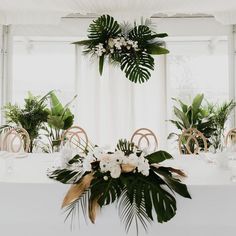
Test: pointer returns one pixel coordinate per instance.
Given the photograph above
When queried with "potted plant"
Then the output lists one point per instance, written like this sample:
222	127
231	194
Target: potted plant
59	119
220	115
210	120
30	117
193	115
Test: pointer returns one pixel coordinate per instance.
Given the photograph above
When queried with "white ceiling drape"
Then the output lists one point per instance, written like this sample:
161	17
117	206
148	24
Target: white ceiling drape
50	11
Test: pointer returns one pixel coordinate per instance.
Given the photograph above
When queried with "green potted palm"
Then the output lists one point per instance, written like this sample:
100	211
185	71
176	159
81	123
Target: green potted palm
31	116
220	114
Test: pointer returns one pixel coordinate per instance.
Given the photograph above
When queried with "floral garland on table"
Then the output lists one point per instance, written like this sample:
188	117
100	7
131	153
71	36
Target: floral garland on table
128	176
130	47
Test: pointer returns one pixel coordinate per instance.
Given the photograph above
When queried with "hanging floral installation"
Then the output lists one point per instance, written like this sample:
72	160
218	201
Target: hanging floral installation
129	47
129	177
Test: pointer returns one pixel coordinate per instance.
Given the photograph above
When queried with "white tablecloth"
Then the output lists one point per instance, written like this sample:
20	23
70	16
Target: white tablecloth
30	202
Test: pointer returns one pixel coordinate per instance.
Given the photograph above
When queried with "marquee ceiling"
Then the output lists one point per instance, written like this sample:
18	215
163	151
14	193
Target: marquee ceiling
51	11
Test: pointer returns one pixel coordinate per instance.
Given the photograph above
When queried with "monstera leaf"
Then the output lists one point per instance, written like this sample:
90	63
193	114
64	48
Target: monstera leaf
103	28
137	67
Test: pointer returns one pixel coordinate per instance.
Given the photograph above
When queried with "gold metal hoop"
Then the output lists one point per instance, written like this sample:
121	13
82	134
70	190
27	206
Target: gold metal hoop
192	135
16	139
76	137
144	135
231	135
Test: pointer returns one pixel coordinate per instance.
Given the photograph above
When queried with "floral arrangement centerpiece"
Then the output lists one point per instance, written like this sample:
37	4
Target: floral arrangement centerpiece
130	47
128	176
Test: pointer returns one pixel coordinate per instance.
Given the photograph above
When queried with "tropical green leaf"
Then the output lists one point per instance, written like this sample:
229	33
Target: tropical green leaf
56	107
178	124
183	106
137	66
103	28
156	49
197	101
68	122
162	35
139	188
158	157
173	184
55	121
101	63
125	146
133	212
141	34
60	116
86	42
108	190
181	115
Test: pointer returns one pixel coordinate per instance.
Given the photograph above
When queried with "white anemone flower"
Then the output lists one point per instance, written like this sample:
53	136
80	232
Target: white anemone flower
98	152
118	157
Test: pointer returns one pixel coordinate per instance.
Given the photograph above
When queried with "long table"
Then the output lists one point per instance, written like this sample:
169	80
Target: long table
30	202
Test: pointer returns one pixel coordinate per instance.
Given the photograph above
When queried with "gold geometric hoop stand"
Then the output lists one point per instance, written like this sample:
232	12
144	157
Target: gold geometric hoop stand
145	135
230	135
12	136
76	137
192	134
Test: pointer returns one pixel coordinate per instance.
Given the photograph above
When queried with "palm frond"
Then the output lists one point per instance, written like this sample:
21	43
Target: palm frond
125	146
79	205
133	211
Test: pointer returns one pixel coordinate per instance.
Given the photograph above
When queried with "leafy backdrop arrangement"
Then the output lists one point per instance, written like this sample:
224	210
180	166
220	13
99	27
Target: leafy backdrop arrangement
129	47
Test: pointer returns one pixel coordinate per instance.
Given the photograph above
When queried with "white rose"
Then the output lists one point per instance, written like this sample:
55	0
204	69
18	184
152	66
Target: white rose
115	172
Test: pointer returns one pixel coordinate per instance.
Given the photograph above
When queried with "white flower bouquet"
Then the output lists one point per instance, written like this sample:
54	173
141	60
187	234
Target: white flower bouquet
128	176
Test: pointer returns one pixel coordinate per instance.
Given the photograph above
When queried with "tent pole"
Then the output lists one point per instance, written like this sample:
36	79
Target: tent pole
232	69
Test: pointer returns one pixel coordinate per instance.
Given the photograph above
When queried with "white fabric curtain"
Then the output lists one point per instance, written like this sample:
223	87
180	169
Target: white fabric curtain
112	107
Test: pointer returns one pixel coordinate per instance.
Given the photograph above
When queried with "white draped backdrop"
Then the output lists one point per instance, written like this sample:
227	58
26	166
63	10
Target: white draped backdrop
111	107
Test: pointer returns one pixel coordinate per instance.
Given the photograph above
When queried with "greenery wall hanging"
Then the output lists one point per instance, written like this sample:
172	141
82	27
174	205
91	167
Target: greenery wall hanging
129	47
